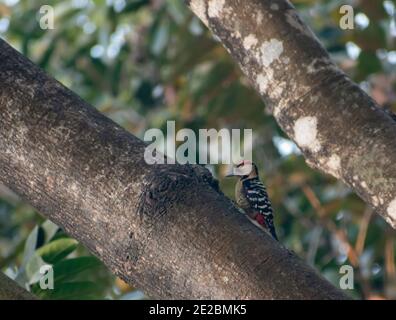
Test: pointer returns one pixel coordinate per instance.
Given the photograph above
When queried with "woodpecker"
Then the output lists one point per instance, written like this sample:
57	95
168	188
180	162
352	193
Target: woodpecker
251	196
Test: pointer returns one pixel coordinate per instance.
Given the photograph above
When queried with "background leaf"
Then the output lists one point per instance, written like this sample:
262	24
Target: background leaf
57	250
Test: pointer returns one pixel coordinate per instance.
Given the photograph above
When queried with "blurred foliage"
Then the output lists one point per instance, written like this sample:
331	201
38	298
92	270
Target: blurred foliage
144	62
80	277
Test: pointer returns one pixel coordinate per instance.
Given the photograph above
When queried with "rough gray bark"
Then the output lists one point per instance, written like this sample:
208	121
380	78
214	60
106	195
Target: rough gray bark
339	128
164	228
9	290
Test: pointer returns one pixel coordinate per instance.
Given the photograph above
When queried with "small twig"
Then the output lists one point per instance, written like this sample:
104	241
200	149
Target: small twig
361	239
390	258
352	253
330	225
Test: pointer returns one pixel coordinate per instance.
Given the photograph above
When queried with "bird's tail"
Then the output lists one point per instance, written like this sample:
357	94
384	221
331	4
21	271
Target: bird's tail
267	223
273	232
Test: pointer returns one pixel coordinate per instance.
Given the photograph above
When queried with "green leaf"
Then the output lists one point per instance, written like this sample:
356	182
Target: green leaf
33	268
50	229
84	290
57	250
160	35
368	63
29	252
134	5
70	269
30	246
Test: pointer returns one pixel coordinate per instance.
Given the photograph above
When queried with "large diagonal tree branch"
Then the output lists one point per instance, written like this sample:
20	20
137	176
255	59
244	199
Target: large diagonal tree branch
164	228
339	128
10	290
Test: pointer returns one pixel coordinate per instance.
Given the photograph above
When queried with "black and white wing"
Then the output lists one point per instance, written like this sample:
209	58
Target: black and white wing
260	204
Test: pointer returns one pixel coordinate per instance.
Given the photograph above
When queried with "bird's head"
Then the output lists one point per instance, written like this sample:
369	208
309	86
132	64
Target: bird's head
244	169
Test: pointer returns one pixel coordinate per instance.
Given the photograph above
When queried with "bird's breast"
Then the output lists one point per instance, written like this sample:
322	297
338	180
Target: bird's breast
240	197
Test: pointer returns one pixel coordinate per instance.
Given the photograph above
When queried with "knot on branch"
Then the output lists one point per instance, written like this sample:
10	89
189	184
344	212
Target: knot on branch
205	176
168	184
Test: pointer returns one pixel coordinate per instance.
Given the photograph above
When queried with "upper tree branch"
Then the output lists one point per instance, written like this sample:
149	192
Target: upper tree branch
339	128
165	228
